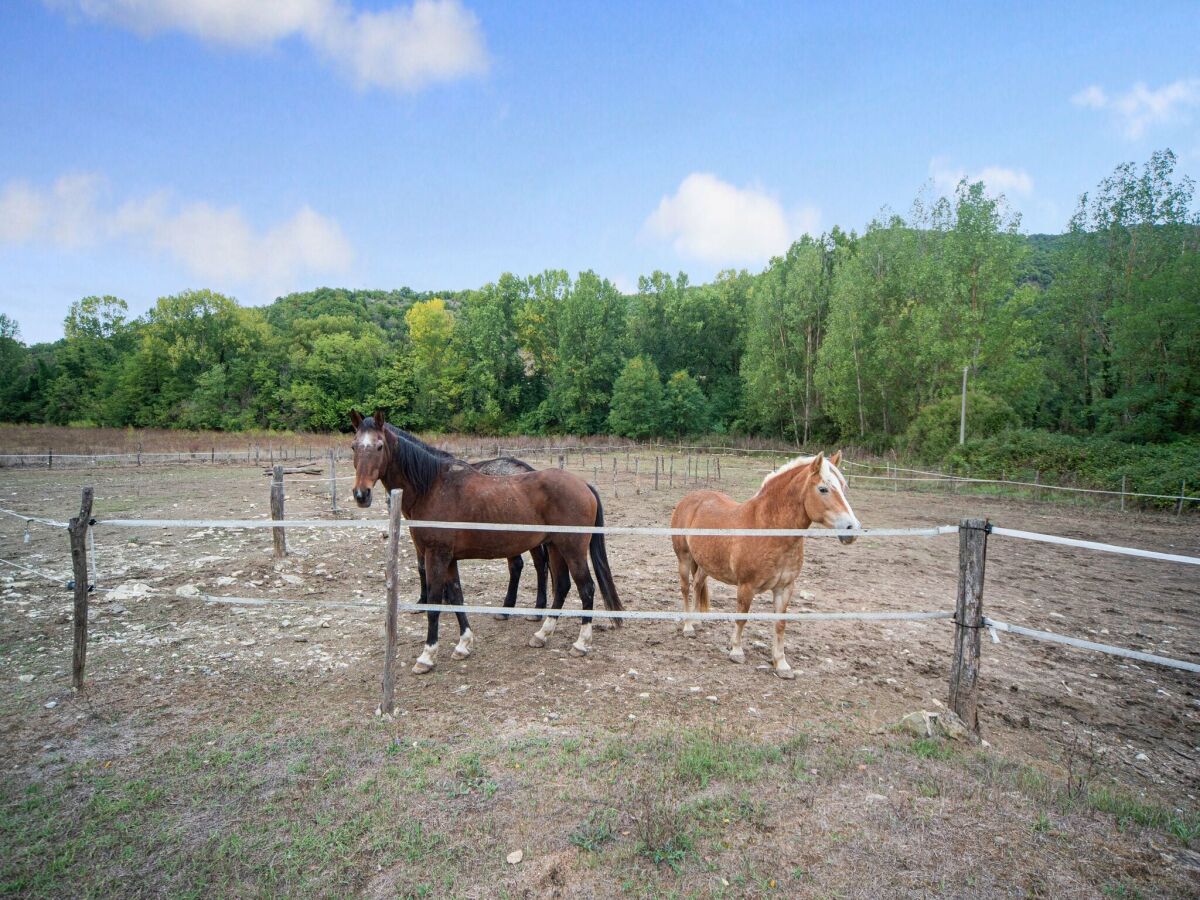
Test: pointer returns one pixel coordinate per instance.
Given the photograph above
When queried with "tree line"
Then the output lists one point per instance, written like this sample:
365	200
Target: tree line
847	337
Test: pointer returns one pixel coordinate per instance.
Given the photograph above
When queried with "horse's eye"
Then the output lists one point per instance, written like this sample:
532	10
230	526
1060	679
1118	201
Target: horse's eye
822	489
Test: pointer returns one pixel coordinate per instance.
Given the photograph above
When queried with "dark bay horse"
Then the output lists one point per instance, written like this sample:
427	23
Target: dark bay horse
809	490
503	465
439	489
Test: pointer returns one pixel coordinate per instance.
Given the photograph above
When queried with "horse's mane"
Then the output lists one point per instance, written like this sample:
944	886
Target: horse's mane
420	462
827	469
413	439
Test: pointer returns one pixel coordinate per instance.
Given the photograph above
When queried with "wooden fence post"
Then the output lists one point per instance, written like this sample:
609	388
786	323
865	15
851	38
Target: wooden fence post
562	460
968	621
656	462
50	458
332	479
277	513
395	524
615	494
77	529
1182	494
671	475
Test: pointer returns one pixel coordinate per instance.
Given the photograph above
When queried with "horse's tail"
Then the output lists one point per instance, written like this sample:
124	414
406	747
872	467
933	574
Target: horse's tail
608	590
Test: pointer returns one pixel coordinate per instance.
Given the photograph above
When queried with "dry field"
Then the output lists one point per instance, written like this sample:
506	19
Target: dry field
232	749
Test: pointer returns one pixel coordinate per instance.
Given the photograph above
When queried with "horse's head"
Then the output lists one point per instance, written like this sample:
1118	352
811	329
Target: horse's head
825	495
371	453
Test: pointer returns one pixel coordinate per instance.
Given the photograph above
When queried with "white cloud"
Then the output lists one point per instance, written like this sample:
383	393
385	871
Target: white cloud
403	47
1141	107
998	179
716	222
211	243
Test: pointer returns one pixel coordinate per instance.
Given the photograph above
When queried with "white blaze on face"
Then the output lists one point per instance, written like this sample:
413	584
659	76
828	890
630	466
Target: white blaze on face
836	482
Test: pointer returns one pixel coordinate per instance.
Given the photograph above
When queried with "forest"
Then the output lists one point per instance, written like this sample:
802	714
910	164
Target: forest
1090	335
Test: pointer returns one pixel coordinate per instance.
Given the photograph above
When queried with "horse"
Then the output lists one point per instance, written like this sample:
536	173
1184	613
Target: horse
808	490
439	489
502	465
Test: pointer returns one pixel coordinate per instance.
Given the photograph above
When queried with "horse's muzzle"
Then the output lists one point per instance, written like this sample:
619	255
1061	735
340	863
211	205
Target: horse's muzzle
850	538
362	498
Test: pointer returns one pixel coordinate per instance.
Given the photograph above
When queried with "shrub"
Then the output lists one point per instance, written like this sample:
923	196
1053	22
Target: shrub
935	429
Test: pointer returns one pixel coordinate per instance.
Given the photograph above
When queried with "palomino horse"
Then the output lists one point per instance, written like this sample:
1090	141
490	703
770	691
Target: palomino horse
809	490
446	490
504	465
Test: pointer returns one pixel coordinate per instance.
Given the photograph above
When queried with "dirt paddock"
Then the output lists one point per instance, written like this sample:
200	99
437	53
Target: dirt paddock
233	749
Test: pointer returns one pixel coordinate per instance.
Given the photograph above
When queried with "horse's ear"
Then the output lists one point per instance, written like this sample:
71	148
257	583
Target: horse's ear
836	459
815	465
356	418
380	416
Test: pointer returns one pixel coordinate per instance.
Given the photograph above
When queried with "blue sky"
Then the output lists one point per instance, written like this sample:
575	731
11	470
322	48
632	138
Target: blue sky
257	148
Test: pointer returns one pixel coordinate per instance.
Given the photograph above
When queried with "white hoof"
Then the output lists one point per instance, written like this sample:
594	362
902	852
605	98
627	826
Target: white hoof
576	650
737	655
426	661
463	650
689	630
536	640
786	672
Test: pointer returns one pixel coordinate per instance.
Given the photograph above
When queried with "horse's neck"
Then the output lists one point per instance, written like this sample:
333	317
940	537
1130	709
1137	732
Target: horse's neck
773	507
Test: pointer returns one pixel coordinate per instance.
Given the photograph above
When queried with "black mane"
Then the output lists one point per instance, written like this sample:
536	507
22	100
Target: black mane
420	463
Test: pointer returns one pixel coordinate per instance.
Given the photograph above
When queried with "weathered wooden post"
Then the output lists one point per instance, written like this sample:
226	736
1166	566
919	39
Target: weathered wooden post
671	476
637	474
1182	494
212	454
562	460
718	468
395	523
332	479
615	494
1122	493
77	529
50	458
656	461
277	513
968	621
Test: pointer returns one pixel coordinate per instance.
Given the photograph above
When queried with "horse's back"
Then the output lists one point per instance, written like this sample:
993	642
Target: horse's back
701	509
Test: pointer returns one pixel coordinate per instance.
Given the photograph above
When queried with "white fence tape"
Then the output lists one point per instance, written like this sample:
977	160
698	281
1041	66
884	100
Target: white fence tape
381	525
1053	638
672	615
49	523
1093	545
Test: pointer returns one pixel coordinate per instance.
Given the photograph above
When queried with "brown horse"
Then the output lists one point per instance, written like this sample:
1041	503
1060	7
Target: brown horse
439	489
503	465
809	490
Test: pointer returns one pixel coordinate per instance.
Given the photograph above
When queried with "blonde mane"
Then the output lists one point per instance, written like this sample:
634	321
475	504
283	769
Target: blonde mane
828	470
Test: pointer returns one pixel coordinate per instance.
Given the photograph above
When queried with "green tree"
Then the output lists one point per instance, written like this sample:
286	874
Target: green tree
591	332
685	409
637	400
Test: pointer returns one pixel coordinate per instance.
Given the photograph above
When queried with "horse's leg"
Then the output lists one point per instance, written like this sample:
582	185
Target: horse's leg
783	596
687	567
437	570
515	565
745	595
541	564
465	636
424	584
700	587
560	575
587	595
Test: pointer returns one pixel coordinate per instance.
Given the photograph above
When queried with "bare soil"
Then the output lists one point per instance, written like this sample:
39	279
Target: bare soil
171	672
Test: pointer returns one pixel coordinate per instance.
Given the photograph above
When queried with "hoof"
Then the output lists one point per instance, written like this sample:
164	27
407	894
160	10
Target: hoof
689	631
604	624
503	617
460	654
420	668
536	641
576	651
737	656
786	674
